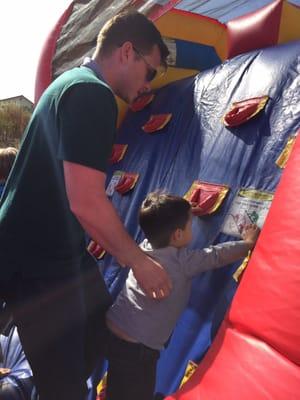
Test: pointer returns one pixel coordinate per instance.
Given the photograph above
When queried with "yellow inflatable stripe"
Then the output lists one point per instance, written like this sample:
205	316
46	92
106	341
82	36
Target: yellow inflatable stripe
285	154
190	369
194	28
238	273
290	23
173	74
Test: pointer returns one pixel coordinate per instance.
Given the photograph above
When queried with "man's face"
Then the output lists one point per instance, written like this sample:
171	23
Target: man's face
138	71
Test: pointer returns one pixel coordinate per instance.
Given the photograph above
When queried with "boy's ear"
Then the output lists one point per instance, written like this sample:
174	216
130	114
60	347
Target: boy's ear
177	234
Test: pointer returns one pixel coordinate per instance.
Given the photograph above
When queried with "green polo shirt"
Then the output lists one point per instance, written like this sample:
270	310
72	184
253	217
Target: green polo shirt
75	120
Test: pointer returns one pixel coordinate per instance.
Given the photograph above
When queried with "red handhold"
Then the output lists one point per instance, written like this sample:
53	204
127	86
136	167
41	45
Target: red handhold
141	102
156	122
242	111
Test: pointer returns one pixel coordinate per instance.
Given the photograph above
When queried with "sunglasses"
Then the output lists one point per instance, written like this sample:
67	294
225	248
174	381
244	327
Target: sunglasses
151	71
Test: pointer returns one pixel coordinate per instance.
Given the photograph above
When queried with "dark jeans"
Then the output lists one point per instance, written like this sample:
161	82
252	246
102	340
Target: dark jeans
60	323
131	371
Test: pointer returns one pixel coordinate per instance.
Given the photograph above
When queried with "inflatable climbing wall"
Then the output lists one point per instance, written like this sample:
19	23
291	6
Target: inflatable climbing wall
222	138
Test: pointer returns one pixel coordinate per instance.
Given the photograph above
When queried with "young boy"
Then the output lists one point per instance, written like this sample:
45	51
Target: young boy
140	326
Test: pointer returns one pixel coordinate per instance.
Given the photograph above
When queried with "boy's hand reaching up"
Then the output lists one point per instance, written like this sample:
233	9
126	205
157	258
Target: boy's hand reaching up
250	234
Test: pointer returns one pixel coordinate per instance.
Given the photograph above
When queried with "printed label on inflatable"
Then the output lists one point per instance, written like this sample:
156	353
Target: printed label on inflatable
117	176
249	206
244	110
156	122
205	198
118	153
285	154
141	102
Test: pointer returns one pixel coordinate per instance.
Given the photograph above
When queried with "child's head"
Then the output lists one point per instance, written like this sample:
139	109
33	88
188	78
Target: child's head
166	220
7	158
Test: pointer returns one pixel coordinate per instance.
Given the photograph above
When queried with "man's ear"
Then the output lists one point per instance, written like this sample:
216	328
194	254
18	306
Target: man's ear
126	51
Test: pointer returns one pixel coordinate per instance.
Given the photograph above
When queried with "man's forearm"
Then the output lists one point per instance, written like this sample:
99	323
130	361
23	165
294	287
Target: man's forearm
85	189
89	203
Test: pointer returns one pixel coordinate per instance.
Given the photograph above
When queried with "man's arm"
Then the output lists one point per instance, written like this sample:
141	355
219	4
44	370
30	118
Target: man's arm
88	201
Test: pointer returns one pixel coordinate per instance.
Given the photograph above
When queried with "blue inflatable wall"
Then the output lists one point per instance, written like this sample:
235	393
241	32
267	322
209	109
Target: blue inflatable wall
197	145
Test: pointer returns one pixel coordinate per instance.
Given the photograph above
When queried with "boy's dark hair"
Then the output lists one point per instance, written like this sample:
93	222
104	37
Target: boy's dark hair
134	27
160	215
7	158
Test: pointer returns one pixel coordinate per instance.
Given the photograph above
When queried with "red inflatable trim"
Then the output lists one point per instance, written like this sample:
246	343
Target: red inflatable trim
44	71
255	30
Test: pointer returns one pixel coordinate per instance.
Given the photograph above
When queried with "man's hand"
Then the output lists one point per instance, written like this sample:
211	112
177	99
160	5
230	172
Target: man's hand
250	234
152	278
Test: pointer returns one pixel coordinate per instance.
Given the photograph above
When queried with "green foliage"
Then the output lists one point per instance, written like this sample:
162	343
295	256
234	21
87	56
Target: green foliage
13	121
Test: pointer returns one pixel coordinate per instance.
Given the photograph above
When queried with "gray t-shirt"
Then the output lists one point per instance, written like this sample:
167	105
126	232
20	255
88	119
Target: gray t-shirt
150	321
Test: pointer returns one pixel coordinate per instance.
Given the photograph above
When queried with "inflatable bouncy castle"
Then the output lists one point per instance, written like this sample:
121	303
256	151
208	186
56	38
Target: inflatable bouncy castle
220	128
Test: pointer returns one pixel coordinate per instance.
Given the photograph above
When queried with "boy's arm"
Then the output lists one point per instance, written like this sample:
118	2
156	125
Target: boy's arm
197	261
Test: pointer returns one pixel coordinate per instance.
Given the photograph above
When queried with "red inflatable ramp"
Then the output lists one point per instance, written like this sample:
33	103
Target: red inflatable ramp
256	354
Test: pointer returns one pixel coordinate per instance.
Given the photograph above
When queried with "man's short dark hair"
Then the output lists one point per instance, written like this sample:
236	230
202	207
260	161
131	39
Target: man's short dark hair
160	215
134	27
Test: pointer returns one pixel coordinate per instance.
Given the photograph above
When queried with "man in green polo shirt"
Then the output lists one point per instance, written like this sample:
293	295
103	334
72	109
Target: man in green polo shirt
56	193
